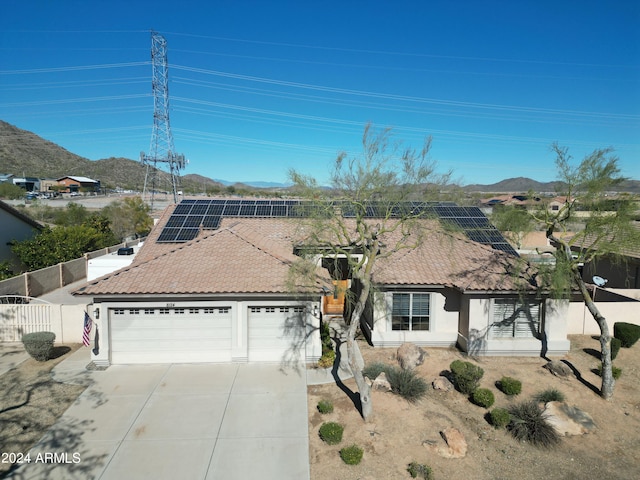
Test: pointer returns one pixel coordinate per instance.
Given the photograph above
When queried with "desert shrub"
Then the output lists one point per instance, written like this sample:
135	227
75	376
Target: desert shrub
376	368
39	345
325	406
510	386
327	359
616	343
331	433
407	384
549	395
529	424
466	375
615	371
419	470
500	417
351	455
483	397
627	333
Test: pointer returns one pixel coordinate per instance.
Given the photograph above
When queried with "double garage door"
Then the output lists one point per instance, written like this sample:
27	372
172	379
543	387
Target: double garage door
197	334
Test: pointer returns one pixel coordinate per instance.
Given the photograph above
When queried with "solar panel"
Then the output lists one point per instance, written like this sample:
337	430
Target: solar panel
191	215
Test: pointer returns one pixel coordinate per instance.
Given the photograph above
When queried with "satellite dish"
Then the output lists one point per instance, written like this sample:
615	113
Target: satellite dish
599	281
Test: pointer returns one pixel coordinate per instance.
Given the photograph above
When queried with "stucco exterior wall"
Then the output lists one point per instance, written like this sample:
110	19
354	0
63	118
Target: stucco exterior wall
443	324
581	322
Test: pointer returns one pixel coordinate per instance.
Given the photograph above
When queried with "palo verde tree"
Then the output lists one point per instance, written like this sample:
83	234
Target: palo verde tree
340	223
604	233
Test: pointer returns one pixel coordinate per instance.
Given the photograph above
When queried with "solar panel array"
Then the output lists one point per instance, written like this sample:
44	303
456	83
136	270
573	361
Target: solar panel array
191	216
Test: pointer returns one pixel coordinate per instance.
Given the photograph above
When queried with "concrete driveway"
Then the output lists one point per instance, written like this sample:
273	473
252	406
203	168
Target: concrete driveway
196	421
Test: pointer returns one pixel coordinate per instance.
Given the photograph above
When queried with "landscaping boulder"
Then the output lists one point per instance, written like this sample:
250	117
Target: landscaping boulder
381	383
455	441
443	383
410	356
558	368
567	419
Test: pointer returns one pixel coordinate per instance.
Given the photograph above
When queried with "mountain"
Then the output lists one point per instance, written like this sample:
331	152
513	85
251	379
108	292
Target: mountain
25	153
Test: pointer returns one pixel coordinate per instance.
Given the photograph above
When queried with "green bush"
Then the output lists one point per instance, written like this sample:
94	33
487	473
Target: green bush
510	386
466	375
325	406
500	417
483	397
418	470
39	344
327	359
331	433
376	368
351	455
627	333
407	384
549	395
529	424
616	343
615	371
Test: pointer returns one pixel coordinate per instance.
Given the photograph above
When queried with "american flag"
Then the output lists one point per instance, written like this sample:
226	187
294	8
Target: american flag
86	332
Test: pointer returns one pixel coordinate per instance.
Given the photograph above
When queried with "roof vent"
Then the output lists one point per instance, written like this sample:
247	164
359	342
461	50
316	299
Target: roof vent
125	251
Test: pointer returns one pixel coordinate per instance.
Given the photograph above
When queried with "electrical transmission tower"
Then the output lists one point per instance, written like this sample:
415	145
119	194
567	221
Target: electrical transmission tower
161	150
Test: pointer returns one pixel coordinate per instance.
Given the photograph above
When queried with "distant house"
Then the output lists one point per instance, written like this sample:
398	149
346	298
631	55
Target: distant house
15	226
76	184
48	185
30	184
210	284
6	177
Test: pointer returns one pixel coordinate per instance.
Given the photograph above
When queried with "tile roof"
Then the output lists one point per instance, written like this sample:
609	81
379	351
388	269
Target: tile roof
253	255
236	258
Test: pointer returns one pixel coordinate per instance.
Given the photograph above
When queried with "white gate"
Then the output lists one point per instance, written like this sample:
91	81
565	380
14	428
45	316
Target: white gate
16	320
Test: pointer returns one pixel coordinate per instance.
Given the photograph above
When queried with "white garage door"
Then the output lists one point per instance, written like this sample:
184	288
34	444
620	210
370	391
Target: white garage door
170	335
276	334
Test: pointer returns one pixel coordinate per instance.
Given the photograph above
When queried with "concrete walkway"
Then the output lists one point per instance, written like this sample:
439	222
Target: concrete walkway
192	421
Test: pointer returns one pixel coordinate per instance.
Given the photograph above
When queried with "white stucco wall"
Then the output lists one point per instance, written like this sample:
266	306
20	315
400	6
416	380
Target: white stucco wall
443	325
478	341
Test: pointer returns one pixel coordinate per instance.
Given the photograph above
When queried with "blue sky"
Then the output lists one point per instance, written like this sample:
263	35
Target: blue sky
259	87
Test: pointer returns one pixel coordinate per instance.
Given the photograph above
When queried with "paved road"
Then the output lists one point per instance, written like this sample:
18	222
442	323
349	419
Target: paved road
197	421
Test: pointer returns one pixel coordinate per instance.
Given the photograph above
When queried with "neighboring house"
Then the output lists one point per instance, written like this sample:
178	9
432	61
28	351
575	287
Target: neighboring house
15	226
75	184
209	286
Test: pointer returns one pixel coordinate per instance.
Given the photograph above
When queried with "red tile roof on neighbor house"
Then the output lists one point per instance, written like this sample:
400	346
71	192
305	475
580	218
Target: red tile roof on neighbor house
253	255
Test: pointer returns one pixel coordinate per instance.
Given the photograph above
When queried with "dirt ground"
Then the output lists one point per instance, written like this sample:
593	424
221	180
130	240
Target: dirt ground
399	431
30	402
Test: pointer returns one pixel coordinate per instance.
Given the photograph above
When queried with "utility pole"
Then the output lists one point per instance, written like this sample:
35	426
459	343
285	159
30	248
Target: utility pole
162	149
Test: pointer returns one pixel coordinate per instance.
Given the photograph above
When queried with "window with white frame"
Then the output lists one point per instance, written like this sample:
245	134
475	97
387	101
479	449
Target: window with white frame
410	311
516	318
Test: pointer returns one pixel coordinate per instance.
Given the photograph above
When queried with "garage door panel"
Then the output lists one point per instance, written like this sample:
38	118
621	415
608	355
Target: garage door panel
170	337
276	334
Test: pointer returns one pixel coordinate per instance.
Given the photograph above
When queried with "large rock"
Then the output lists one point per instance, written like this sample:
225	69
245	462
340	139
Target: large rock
443	383
455	441
410	356
381	383
558	368
568	420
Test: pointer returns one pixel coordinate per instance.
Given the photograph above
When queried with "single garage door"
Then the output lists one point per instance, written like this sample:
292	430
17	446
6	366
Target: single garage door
170	335
276	334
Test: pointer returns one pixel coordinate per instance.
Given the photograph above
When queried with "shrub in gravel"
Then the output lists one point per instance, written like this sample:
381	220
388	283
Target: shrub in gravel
627	333
327	359
549	395
407	384
483	397
616	343
351	455
510	386
331	433
419	470
325	406
615	371
466	375
529	424
500	417
39	345
374	369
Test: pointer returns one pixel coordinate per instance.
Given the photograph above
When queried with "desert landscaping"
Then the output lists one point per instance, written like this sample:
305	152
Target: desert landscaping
402	432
